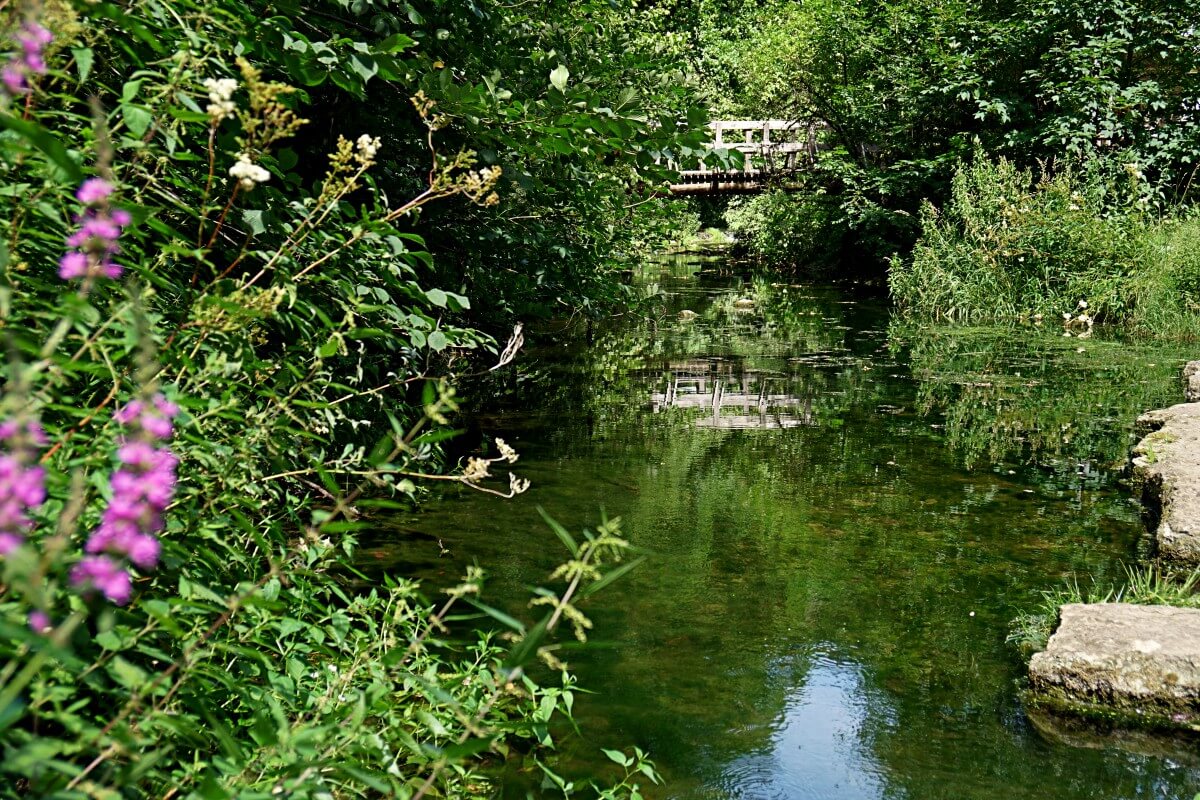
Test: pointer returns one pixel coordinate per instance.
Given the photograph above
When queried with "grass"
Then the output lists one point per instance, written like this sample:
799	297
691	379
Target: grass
1146	586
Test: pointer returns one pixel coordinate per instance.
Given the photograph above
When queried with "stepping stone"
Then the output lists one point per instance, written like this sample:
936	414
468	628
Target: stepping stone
1124	661
1191	377
1166	469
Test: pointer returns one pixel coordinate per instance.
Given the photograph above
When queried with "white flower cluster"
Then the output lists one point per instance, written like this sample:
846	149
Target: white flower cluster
247	172
220	90
506	451
1084	320
368	146
476	470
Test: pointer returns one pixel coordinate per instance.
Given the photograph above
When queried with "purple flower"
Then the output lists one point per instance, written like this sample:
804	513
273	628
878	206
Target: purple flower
94	191
72	265
129	412
142	487
39	622
101	573
32	39
22	482
14	79
9	541
96	241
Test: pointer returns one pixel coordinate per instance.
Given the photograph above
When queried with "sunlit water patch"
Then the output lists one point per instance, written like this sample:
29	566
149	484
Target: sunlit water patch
843	514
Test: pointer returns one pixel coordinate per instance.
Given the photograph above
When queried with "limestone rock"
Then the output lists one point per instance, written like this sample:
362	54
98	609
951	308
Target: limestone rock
1166	472
1191	377
1143	661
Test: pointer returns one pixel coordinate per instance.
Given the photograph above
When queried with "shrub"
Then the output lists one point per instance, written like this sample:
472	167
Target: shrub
219	365
1070	245
796	232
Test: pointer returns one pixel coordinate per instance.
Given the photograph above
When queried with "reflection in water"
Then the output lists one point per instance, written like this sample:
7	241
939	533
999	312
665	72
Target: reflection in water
715	388
817	749
842	515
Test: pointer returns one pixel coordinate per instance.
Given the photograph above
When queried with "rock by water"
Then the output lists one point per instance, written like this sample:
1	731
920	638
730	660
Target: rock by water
1139	662
1166	470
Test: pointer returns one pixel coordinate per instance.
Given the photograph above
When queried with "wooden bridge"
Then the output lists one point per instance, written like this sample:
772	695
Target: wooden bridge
772	150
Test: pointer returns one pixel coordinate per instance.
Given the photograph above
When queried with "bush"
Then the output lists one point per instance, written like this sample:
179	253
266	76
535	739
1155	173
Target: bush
1071	245
220	363
791	231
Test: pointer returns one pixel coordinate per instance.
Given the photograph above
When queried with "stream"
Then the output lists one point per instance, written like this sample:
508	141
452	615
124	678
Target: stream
842	512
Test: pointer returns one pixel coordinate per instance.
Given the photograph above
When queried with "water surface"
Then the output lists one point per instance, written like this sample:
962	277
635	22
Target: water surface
842	512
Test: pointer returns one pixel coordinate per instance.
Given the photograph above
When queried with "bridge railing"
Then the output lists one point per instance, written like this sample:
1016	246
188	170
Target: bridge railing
771	147
768	145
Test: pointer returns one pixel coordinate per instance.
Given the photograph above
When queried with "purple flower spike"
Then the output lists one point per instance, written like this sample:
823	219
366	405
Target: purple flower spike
32	39
39	622
142	487
22	482
101	573
94	191
93	245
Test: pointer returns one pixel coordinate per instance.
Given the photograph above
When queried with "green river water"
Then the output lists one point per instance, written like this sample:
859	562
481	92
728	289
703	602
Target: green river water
835	554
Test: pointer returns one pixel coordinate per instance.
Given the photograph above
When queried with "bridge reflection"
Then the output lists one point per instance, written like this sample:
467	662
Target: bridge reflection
733	399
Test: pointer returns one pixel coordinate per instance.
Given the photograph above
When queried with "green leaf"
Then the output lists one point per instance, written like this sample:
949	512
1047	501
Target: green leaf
363	66
471	747
524	651
618	757
108	640
329	348
138	119
84	58
558	78
498	615
130	90
395	43
129	675
437	341
562	532
52	148
437	297
253	217
609	577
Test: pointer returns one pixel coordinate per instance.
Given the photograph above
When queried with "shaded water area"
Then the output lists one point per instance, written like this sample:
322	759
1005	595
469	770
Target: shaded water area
843	513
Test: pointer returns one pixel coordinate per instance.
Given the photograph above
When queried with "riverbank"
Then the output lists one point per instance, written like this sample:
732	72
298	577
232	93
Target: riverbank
1129	663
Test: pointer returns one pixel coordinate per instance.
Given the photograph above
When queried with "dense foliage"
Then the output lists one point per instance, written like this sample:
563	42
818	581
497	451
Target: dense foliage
910	89
1061	248
229	344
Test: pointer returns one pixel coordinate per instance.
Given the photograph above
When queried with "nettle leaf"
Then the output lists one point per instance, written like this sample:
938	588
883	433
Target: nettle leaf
253	217
130	90
364	66
138	119
37	136
558	78
84	58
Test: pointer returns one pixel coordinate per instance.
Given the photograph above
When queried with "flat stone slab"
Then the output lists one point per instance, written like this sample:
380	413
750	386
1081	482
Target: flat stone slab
1142	662
1166	472
1191	378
